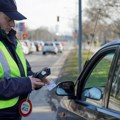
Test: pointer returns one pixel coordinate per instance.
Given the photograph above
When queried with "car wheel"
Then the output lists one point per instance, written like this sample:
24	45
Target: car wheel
44	53
55	53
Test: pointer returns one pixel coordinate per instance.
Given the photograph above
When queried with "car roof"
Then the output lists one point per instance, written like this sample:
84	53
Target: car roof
112	43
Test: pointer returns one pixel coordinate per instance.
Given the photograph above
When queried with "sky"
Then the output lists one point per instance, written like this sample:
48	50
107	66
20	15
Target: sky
43	13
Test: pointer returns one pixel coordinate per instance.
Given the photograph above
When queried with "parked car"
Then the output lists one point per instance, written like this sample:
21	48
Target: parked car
28	43
59	46
50	47
24	47
96	93
33	47
41	44
38	46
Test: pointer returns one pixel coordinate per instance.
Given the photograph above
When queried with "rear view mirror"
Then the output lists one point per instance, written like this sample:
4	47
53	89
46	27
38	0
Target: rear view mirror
65	89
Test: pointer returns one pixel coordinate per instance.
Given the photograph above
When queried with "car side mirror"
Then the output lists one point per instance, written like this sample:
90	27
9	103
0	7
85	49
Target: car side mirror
66	88
93	93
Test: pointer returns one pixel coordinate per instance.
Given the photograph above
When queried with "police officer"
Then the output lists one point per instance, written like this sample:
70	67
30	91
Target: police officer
15	85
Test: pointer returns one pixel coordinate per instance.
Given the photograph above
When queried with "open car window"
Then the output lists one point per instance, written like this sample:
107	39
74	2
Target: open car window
97	79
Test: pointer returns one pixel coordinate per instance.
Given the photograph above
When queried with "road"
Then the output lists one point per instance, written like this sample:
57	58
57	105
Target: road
41	108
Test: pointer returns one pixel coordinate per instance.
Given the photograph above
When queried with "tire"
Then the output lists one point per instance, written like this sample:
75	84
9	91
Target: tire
44	53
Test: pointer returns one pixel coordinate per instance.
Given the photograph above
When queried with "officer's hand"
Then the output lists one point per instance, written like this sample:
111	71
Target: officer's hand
45	81
36	83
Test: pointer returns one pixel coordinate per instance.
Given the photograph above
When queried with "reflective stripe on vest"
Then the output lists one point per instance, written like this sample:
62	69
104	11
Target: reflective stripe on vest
9	68
5	65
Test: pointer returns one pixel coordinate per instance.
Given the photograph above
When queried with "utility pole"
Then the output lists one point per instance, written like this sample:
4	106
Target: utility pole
80	35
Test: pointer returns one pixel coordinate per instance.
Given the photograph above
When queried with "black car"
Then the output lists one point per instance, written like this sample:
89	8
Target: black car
96	93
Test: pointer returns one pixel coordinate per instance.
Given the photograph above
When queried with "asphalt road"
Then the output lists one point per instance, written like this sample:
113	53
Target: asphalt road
42	110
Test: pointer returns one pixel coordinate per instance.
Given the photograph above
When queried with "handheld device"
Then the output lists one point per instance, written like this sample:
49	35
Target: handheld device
43	73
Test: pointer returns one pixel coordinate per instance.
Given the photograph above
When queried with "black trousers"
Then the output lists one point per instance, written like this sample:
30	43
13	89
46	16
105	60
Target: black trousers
6	118
19	118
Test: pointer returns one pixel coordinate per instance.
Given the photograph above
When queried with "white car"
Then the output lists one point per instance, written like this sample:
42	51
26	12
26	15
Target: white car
28	43
33	47
59	46
24	47
50	47
41	44
38	46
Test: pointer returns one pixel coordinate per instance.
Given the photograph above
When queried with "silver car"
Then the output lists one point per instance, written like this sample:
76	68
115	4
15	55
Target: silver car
50	47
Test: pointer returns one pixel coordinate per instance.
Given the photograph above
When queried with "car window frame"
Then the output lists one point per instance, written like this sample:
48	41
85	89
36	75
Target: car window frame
110	83
90	66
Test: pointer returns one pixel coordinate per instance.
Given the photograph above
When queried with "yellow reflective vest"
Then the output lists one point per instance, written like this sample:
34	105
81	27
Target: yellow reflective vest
9	68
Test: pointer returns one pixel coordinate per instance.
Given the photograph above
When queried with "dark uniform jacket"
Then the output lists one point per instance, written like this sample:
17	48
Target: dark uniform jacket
13	87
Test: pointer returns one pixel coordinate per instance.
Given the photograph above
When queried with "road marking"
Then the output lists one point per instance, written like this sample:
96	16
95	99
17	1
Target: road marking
41	109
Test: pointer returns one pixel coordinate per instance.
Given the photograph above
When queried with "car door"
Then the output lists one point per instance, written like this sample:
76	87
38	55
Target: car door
98	73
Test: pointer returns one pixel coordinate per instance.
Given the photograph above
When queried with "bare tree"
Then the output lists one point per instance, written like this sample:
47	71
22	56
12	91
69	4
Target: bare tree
106	14
107	8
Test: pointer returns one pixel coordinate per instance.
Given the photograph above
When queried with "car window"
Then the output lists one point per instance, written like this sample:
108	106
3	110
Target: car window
57	44
48	44
51	44
97	80
114	99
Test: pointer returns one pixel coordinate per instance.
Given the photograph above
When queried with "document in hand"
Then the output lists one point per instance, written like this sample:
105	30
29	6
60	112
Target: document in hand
52	85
